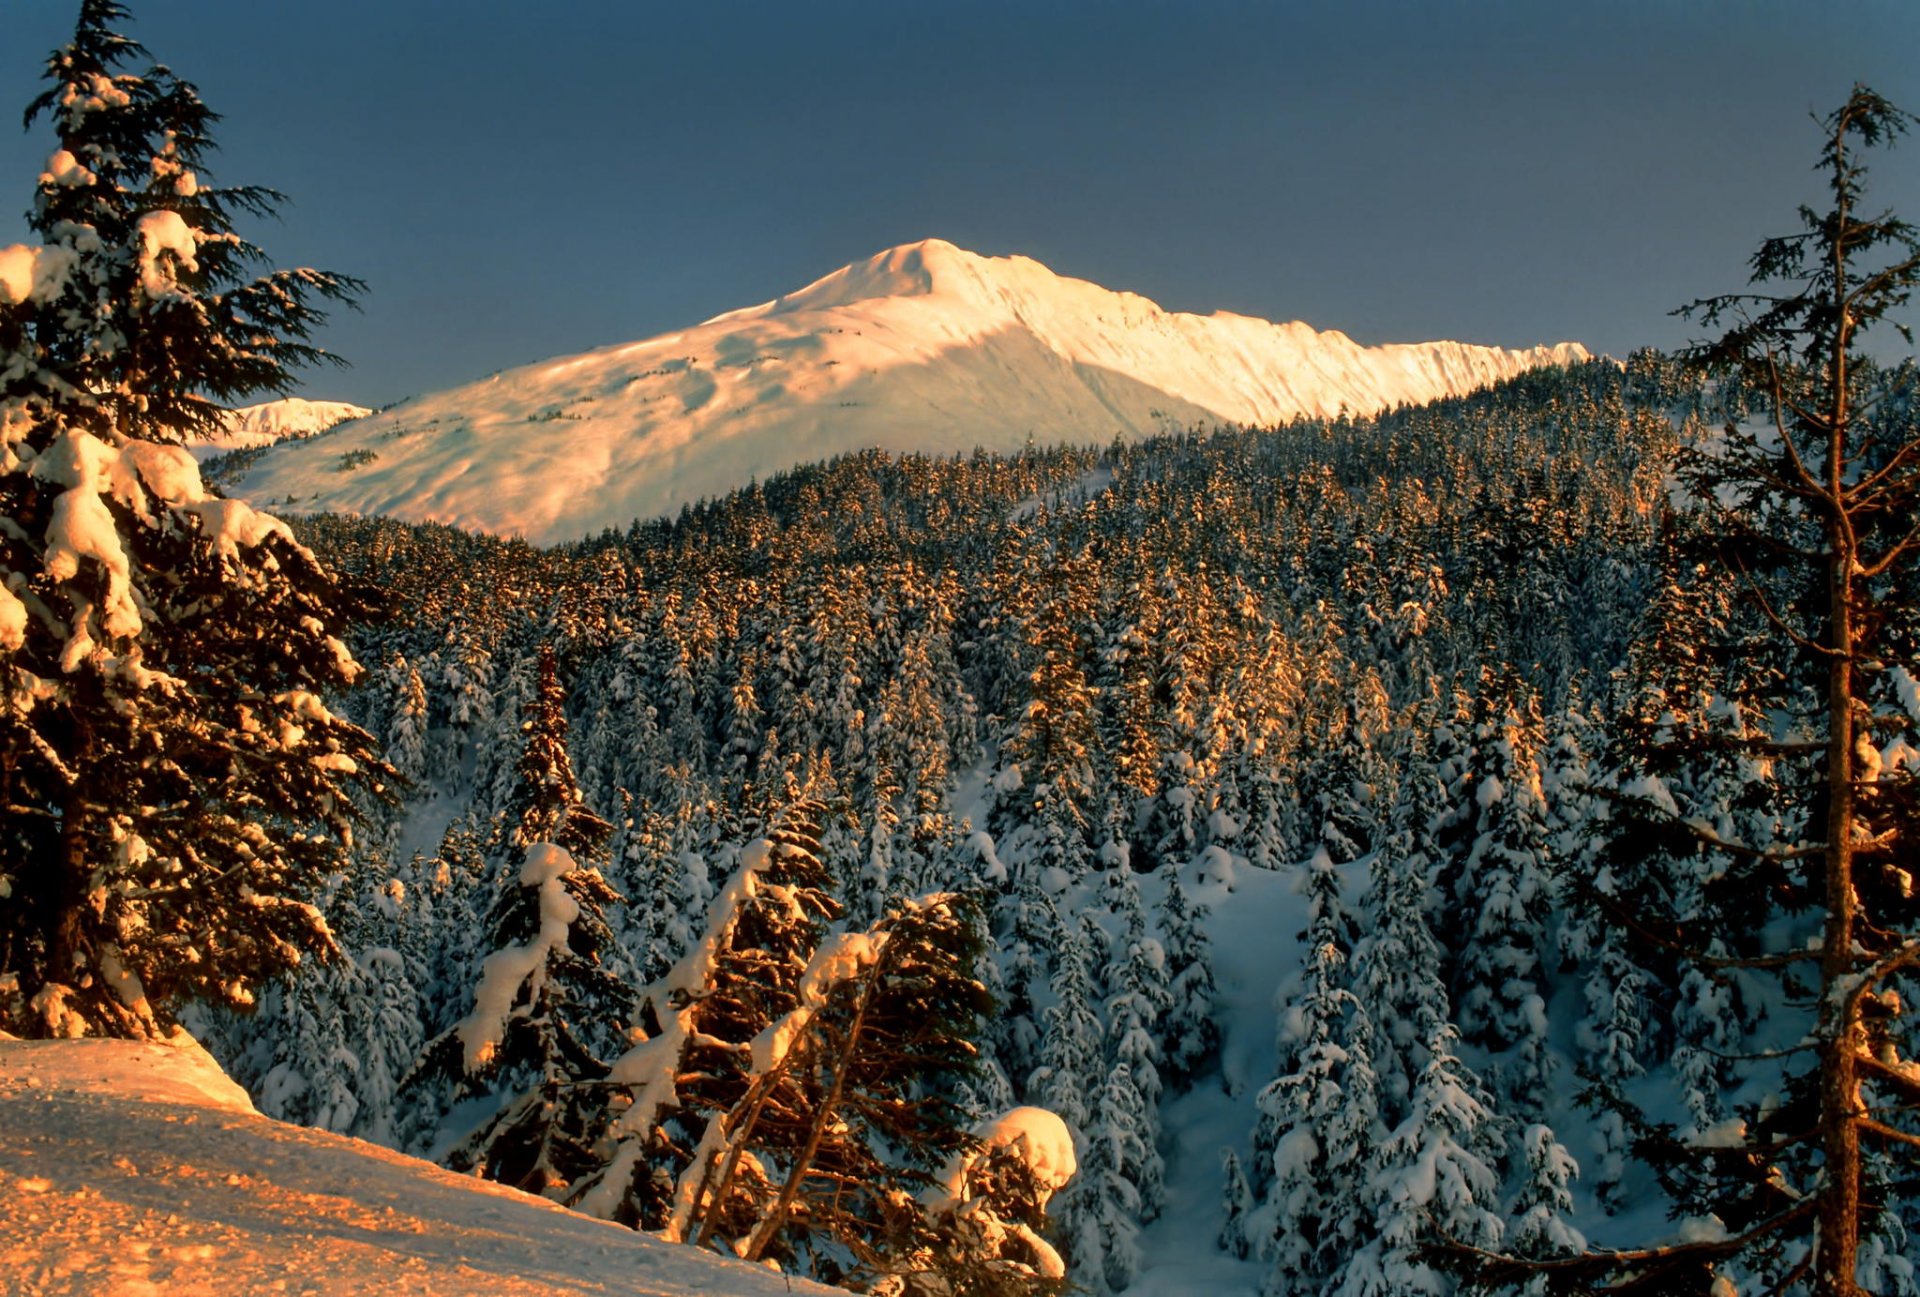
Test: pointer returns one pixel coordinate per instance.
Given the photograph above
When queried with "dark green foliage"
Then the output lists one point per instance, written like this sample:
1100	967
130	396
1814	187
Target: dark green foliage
173	788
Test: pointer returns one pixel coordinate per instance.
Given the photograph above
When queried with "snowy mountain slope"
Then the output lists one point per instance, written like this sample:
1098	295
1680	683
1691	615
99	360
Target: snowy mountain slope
924	347
287	419
133	1169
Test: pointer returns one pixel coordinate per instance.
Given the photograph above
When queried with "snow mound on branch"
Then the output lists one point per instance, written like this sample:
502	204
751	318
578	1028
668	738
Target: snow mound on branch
922	348
32	273
139	1168
1038	1137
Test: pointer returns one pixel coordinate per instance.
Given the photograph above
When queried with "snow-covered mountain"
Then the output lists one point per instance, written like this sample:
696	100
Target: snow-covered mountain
924	347
288	419
140	1168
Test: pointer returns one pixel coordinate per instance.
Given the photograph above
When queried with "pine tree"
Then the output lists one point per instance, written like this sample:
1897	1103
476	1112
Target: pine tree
670	1094
552	998
1138	997
1539	1228
1191	1036
406	720
1501	1001
881	1030
545	804
990	1208
174	786
1433	1181
1236	1207
1100	1218
1070	1045
1396	966
1800	522
1318	1117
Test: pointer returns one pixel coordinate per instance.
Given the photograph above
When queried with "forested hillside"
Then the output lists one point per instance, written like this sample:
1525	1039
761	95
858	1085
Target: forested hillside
1410	664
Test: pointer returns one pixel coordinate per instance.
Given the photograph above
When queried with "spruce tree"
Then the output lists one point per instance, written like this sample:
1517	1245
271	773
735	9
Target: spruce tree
173	783
551	999
1799	516
1190	1037
1812	512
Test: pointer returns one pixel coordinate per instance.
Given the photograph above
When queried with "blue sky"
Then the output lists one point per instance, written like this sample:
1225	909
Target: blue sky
517	182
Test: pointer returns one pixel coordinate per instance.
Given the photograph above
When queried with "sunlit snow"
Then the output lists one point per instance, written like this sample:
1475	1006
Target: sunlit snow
135	1168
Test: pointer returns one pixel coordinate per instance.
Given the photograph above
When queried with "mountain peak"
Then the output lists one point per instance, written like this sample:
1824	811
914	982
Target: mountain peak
920	269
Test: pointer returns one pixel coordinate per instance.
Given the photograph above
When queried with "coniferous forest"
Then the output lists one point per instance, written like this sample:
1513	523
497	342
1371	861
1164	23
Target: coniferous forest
1487	825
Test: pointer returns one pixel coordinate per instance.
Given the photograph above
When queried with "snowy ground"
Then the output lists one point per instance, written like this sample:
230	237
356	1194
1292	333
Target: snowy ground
130	1169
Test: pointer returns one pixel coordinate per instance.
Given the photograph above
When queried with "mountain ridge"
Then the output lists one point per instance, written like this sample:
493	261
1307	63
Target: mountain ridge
923	347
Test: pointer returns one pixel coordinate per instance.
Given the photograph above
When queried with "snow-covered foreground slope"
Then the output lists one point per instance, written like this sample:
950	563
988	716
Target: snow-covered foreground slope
924	347
136	1169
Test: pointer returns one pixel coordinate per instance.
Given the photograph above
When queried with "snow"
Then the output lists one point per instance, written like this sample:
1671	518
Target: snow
13	621
81	528
1252	926
135	1168
1040	1138
505	971
1908	691
923	348
1044	1144
30	273
838	960
288	419
66	171
165	234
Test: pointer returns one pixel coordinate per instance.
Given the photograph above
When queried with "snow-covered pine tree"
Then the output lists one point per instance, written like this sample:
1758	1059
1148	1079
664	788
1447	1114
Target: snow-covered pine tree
551	999
1432	1181
544	804
1539	1228
1070	1043
880	1034
1236	1207
1190	1035
1506	876
1137	999
1033	936
1319	1117
1100	1215
406	719
989	1209
1802	520
1396	965
1345	782
670	1093
174	784
541	1010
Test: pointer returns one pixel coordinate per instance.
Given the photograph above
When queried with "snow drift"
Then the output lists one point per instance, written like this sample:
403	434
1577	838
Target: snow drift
924	347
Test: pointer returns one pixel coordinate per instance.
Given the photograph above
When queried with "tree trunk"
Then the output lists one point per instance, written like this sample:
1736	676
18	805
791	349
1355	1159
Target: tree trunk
821	1119
1840	1106
1838	1237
